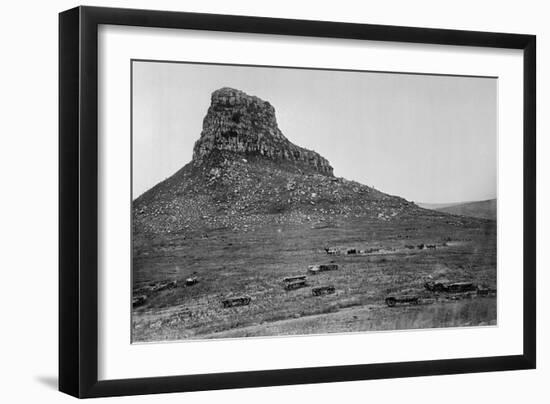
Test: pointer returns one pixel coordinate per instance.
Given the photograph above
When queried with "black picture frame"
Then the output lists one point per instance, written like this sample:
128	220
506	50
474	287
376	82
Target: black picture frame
78	201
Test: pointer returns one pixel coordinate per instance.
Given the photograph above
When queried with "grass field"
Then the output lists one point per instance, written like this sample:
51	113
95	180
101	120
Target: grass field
253	262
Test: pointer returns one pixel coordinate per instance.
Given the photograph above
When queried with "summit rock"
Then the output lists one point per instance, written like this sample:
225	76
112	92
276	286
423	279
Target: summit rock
246	125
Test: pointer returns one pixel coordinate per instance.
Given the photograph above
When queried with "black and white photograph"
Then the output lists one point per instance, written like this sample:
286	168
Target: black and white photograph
273	201
285	202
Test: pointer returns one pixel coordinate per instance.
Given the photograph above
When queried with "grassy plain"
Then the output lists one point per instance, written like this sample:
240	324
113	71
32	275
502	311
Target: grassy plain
253	262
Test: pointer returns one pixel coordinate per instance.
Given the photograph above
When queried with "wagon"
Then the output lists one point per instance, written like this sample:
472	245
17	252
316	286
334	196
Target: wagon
157	287
314	269
294	278
456	287
297	284
236	301
191	281
323	290
484	291
139	300
393	300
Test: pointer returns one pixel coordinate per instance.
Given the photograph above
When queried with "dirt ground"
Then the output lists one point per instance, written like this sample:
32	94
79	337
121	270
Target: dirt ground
464	313
253	262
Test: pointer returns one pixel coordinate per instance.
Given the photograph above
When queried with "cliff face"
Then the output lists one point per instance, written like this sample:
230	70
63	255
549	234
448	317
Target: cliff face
239	123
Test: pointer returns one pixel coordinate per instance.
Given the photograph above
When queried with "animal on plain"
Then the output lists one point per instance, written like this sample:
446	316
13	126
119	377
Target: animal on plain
331	251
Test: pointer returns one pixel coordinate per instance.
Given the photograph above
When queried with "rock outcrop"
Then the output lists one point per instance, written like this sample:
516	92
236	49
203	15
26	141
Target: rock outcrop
239	123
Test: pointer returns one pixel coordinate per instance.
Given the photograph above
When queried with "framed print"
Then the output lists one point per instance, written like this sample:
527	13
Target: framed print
251	201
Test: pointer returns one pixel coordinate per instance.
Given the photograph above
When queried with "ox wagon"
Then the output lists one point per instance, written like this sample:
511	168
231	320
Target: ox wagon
236	301
448	287
294	282
484	291
393	300
323	290
139	300
294	278
191	281
301	283
315	269
158	286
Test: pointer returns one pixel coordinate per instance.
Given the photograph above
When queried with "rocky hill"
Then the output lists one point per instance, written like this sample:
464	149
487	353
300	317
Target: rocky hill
245	172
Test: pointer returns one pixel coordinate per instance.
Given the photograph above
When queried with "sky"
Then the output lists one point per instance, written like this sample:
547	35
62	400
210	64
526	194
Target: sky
425	138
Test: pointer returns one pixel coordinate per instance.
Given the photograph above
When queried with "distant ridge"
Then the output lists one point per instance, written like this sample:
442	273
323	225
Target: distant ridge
481	209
